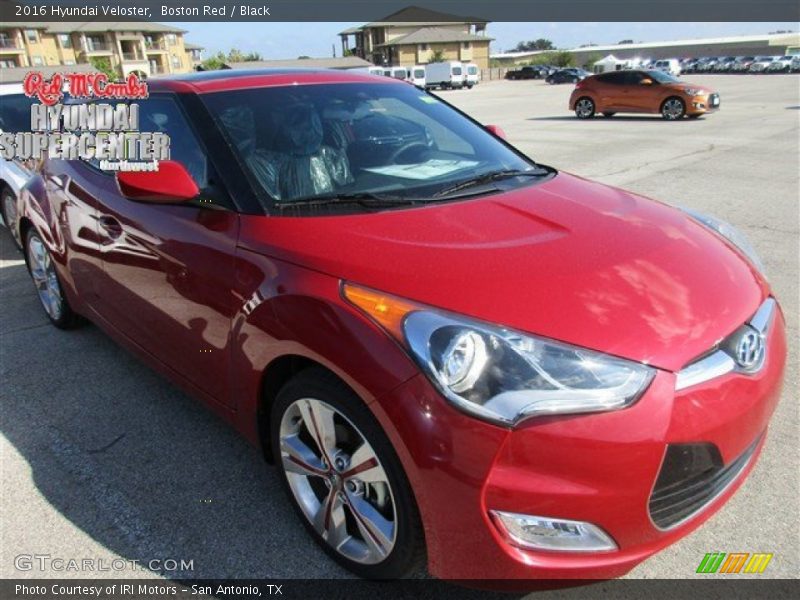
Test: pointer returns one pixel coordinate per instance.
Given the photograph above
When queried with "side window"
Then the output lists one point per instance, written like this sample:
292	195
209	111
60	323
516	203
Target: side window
633	77
15	113
163	114
615	78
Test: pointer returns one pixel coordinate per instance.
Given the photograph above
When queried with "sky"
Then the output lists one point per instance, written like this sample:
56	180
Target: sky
290	40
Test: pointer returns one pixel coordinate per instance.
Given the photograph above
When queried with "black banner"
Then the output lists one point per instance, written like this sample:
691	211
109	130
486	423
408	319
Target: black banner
360	10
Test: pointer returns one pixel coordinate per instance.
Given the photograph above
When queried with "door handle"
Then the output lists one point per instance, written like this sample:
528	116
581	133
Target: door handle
111	226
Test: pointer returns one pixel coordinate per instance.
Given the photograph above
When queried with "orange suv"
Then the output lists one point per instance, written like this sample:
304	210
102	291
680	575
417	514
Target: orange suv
641	92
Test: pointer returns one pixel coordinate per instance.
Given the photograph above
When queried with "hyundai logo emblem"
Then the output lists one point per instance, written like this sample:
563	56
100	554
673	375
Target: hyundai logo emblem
750	350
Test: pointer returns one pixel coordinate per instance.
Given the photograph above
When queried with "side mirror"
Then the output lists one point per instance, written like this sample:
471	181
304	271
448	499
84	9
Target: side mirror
647	82
495	130
171	183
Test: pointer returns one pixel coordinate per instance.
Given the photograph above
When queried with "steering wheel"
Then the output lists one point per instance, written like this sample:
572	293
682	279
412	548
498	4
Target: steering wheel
405	148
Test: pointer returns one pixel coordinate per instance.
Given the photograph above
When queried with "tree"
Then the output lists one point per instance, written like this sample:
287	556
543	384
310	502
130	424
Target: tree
563	59
625	42
531	45
304	57
588	62
103	64
217	61
437	56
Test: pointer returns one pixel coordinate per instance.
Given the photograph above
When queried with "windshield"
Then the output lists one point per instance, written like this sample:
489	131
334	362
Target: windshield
419	73
456	71
662	77
301	142
472	70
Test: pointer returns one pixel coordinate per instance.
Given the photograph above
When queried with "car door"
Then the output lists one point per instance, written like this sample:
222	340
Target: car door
168	269
640	96
612	91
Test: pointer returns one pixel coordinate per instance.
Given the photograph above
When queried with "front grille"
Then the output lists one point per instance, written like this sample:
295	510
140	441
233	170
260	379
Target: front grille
691	477
713	100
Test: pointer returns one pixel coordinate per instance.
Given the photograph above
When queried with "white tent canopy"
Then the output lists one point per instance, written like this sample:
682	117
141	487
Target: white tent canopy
609	63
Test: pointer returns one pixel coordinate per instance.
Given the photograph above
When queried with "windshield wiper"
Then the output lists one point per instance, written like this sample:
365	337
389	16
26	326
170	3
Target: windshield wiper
365	199
489	178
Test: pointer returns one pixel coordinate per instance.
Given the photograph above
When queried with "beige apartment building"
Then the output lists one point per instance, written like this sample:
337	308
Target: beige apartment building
145	48
416	35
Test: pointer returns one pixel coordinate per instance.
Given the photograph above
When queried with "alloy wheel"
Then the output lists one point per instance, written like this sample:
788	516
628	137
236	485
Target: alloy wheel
673	109
9	209
584	108
338	481
45	278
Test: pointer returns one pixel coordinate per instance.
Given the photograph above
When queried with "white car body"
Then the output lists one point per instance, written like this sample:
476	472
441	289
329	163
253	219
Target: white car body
444	75
761	64
472	75
13	175
396	72
780	65
416	75
795	63
668	65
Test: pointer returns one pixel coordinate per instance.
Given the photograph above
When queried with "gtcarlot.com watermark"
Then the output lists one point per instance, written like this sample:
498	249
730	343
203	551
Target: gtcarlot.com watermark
50	563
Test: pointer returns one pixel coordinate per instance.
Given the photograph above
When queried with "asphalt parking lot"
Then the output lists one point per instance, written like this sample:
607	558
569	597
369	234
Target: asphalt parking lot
103	458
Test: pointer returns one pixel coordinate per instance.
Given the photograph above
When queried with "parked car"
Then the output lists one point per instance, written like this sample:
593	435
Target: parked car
742	64
725	63
472	75
641	92
528	72
567	76
668	65
761	63
15	116
444	75
781	64
416	75
382	331
795	63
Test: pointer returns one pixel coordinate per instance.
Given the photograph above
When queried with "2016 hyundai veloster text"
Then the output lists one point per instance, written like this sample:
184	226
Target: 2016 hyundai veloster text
450	352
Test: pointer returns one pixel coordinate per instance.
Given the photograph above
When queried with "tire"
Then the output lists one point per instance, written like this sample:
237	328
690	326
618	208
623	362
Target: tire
8	208
316	396
48	285
608	115
673	109
584	108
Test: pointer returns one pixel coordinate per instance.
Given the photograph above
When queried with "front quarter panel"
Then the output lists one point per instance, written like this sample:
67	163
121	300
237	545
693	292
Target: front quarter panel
288	310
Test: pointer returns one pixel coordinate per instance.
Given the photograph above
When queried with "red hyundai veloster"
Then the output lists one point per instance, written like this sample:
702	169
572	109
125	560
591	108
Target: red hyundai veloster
451	353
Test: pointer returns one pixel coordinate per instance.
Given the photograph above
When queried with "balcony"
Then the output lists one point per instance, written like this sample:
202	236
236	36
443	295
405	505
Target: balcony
132	57
10	45
97	47
152	46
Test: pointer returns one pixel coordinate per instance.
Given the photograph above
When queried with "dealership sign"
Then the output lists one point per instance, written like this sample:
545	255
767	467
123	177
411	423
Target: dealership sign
85	116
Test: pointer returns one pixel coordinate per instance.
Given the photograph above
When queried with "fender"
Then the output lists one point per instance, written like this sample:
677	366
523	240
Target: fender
288	310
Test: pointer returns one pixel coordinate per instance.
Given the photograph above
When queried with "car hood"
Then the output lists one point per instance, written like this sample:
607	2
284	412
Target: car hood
568	259
690	86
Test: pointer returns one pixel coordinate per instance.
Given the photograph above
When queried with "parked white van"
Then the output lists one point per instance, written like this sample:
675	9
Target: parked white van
444	75
668	65
472	75
395	72
416	75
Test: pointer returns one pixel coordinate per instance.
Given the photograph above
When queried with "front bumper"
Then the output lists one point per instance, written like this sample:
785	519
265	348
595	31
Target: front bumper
702	104
598	468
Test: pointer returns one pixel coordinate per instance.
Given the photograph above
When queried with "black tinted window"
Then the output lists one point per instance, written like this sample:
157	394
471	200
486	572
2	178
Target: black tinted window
163	114
616	78
15	113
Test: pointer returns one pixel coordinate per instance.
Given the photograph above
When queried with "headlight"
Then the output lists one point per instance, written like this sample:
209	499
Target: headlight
694	92
502	375
730	233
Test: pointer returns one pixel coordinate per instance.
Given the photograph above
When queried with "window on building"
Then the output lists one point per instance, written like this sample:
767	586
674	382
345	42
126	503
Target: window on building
465	45
32	36
176	62
6	41
37	61
69	62
172	39
423	47
65	40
